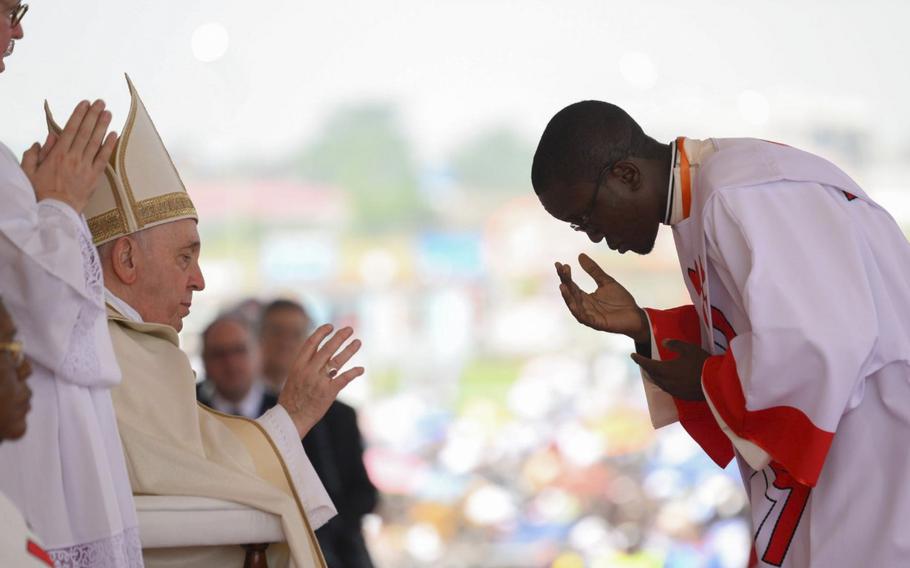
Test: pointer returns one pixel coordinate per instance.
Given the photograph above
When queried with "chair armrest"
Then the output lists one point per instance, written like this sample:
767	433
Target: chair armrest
177	521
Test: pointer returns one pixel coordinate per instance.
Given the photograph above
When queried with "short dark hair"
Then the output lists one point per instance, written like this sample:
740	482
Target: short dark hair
224	318
583	138
283	304
279	305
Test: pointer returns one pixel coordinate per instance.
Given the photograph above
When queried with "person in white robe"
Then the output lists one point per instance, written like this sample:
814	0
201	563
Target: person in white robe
67	474
794	356
144	224
18	545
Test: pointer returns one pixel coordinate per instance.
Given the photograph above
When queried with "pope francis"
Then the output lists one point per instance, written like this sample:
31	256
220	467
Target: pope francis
144	224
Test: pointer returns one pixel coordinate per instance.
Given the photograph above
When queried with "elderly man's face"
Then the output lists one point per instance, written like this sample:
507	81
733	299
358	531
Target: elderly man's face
169	273
230	359
8	33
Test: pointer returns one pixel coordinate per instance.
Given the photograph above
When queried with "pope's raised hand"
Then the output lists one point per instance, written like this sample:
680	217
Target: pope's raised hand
608	308
316	378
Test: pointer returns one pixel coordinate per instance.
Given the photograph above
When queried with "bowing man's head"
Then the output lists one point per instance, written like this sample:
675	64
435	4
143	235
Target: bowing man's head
597	170
15	396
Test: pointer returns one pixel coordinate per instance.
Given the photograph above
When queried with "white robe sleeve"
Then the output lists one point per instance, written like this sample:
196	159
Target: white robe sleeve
42	274
788	254
660	404
279	426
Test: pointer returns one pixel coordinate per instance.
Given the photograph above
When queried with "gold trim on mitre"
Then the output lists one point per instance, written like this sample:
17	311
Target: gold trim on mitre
109	225
140	187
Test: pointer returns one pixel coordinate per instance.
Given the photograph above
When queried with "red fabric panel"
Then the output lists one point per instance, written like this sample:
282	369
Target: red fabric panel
785	432
695	416
39	553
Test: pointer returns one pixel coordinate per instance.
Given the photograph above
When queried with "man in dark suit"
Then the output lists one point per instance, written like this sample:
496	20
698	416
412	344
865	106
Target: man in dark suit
231	358
334	445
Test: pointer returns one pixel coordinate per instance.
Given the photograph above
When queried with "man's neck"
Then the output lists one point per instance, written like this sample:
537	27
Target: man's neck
122	306
234	398
246	405
665	172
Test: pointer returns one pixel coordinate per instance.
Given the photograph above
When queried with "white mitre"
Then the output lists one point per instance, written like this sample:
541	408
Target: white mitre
140	187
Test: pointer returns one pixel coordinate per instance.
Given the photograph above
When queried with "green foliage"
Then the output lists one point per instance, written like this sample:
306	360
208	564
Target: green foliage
498	160
363	151
488	379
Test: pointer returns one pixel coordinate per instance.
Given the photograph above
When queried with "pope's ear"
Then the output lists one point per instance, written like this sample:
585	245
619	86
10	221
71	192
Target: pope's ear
125	259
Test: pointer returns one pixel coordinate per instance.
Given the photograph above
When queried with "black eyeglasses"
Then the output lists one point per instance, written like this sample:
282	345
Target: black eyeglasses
16	15
584	220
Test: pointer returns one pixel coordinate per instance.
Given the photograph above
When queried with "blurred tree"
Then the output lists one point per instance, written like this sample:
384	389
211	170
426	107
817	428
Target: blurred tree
497	160
363	150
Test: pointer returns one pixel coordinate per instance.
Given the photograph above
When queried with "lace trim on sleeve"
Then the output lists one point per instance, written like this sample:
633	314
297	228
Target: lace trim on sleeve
123	550
82	362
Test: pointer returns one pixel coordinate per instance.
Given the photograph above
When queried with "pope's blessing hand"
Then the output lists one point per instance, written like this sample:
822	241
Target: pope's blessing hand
315	379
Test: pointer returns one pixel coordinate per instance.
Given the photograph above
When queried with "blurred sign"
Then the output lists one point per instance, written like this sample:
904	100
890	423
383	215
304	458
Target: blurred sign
298	256
449	255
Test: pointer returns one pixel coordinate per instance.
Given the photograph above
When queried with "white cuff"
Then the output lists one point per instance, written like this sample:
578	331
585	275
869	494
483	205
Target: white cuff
756	457
64	208
660	404
319	507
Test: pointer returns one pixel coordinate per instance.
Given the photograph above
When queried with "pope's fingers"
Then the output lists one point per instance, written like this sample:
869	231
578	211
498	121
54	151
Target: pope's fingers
328	349
345	378
338	361
312	343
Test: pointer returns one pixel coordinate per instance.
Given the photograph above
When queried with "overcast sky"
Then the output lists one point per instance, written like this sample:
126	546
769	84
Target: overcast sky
701	68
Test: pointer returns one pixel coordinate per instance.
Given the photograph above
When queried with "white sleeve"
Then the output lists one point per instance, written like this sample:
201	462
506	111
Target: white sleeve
279	426
790	256
660	404
42	273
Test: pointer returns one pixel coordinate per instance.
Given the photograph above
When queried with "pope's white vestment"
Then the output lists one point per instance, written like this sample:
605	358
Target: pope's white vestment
67	474
800	286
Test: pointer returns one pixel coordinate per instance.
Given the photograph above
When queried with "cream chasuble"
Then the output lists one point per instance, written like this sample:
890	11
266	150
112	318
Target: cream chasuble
174	446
